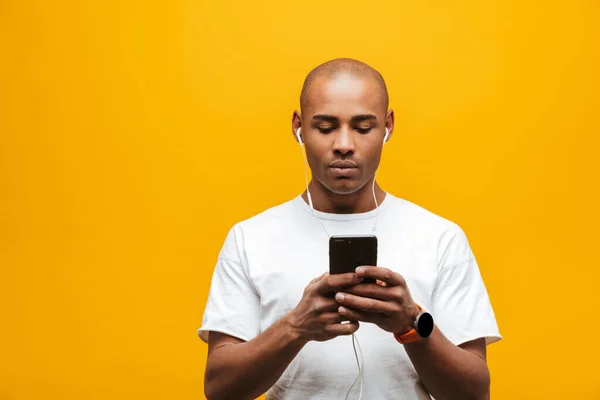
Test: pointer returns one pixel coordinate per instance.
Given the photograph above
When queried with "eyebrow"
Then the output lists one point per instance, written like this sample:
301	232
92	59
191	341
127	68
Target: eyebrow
356	118
328	118
364	117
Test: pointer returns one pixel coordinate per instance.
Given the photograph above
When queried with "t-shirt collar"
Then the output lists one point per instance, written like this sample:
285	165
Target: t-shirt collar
342	217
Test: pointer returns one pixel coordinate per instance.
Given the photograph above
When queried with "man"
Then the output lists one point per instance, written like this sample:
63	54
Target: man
277	322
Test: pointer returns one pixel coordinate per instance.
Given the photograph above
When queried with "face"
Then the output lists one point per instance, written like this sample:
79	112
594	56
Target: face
343	125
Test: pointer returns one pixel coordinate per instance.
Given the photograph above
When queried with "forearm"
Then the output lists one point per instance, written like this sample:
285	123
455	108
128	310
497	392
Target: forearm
247	370
449	372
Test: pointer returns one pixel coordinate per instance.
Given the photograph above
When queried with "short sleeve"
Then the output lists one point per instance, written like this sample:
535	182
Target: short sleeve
233	305
461	305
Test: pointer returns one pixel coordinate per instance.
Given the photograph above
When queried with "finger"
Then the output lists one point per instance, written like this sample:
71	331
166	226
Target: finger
332	318
324	305
335	283
373	291
356	315
318	278
342	329
385	275
364	303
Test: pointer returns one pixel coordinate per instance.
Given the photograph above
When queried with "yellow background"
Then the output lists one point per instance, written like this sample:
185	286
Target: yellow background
134	134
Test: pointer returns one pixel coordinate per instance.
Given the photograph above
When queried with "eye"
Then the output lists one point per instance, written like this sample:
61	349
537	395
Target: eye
325	130
364	130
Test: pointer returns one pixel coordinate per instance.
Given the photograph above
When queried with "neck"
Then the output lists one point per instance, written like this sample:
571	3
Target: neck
360	201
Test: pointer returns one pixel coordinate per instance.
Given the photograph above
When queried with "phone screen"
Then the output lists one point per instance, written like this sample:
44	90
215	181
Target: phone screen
348	252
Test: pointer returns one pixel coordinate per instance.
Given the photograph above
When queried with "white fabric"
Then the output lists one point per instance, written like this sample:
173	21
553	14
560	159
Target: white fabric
268	260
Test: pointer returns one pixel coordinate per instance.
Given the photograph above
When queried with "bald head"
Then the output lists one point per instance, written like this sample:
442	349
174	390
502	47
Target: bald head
343	67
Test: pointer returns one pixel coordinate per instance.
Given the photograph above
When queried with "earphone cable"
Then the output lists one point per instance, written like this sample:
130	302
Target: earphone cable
358	355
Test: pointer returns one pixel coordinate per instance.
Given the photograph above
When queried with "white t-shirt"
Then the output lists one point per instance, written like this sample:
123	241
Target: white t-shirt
268	260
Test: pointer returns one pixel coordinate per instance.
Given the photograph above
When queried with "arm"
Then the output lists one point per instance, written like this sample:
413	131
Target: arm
451	372
244	370
447	371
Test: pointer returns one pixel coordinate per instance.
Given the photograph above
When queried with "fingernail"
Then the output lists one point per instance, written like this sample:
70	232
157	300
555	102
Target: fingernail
360	270
339	297
341	310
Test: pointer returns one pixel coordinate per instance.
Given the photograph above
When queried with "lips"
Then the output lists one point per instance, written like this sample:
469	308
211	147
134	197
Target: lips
343	169
343	164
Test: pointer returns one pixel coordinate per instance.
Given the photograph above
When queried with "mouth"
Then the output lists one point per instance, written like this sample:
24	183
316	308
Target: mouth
343	169
343	164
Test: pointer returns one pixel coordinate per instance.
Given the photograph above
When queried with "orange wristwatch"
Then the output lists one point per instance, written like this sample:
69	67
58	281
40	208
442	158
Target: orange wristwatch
422	328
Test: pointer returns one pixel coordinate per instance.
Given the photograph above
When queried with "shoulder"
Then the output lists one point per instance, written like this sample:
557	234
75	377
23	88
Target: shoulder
272	221
281	214
423	226
417	217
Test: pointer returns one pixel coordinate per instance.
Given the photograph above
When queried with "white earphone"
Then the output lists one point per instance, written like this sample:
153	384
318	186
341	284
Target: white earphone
298	136
385	138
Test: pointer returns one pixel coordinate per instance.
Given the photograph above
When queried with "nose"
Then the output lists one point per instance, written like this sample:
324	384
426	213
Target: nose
344	142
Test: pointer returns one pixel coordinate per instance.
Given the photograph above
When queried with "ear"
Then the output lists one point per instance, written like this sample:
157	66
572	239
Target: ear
296	126
389	125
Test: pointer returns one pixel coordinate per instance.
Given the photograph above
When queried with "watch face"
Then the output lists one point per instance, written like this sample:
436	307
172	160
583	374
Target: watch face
425	325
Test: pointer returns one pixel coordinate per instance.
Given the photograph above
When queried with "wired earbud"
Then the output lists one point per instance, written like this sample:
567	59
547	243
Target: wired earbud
387	134
299	137
305	171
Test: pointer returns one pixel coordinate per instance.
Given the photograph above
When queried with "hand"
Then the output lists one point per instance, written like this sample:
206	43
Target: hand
387	303
316	316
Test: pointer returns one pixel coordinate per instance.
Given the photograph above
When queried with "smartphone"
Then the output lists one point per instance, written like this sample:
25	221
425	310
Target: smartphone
348	252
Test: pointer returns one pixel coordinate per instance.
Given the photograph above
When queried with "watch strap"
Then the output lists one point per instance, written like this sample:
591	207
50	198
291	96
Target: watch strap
410	336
